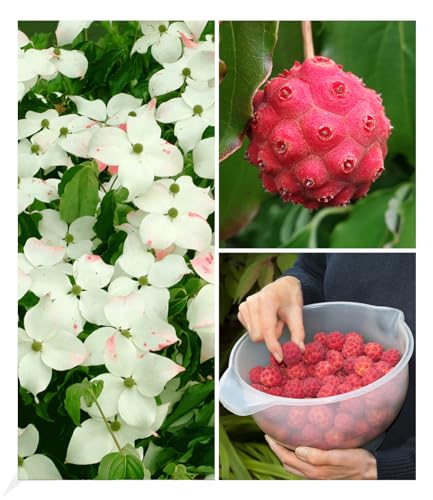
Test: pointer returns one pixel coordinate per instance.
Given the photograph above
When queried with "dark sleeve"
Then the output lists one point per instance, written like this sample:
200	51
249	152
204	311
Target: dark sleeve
310	268
396	463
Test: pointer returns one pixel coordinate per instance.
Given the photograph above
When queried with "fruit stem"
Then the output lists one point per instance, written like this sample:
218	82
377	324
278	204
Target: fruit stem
307	36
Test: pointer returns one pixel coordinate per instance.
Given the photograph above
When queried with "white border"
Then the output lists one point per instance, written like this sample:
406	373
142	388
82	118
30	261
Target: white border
221	9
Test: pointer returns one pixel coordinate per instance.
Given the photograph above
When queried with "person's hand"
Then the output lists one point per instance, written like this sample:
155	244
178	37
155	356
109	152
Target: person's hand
265	313
313	463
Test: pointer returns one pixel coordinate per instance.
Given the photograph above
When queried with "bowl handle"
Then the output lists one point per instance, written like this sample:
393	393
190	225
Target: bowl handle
236	399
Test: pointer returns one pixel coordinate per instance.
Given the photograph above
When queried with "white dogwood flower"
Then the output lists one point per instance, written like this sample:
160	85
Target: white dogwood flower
75	237
114	113
203	158
203	264
67	31
192	113
177	214
196	64
140	152
91	441
163	38
43	347
33	465
133	381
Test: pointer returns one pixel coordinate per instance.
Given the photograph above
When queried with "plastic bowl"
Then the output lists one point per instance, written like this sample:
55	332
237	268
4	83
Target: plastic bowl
348	420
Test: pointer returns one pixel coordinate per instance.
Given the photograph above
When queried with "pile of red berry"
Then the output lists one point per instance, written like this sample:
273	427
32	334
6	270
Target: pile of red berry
333	363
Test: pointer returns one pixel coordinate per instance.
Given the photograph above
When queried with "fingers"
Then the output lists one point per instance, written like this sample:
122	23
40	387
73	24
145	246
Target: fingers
270	325
315	456
290	461
293	317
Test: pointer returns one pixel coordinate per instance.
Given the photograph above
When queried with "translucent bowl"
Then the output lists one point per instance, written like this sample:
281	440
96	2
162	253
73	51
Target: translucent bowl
348	420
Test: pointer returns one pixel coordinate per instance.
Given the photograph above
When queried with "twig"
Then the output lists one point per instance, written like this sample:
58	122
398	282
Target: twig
307	36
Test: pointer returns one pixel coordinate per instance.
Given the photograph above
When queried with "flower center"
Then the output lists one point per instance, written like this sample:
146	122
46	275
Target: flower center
174	188
129	382
64	131
36	346
76	290
35	148
125	333
20	461
162	28
115	426
132	113
45	123
186	72
137	148
143	280
197	109
68	238
173	213
57	51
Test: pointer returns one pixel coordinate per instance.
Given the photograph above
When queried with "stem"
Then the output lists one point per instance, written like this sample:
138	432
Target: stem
107	424
112	184
307	36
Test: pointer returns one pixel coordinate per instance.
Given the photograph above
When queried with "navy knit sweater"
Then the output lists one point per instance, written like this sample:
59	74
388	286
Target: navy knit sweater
378	279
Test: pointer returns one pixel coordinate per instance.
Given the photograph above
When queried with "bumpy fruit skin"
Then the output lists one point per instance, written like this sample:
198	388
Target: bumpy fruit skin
362	364
311	387
294	388
292	355
335	341
373	350
255	374
314	353
318	135
391	356
297	371
270	376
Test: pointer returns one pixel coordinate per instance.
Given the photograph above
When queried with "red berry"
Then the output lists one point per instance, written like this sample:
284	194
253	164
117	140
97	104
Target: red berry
344	422
294	388
321	337
391	356
349	365
352	348
354	380
291	354
275	391
370	376
336	359
297	416
323	368
297	371
336	341
382	367
344	387
354	336
255	374
314	353
311	387
362	364
373	350
310	435
259	387
320	416
270	376
331	379
327	390
318	135
334	438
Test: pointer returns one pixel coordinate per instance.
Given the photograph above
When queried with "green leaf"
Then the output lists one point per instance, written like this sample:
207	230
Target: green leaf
115	247
121	465
248	279
365	227
104	227
74	393
285	261
80	196
382	53
241	193
28	300
407	237
67	176
246	48
193	397
84	389
266	274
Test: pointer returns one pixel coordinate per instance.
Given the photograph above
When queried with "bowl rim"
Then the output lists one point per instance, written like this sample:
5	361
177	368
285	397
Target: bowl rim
270	400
